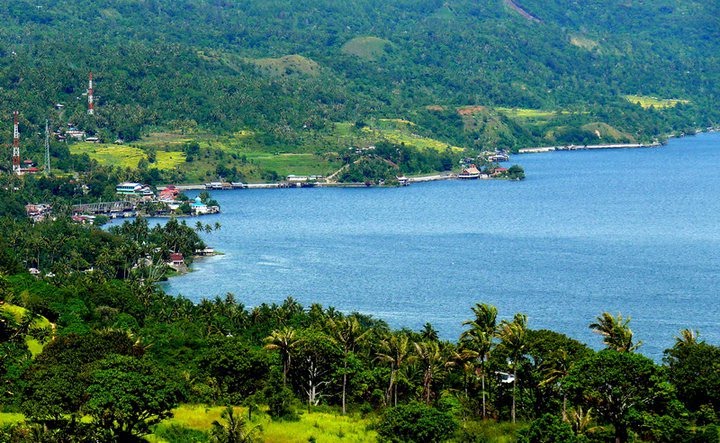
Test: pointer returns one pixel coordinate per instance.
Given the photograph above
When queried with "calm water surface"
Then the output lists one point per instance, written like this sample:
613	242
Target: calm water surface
633	231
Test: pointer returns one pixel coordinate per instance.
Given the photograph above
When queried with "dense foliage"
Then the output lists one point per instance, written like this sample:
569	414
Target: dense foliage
92	350
288	71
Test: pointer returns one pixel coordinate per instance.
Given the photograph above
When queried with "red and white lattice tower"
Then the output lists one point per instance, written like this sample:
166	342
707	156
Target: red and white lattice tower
91	103
16	145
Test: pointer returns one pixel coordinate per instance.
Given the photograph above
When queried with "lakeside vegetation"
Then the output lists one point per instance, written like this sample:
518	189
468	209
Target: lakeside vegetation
92	349
250	80
117	359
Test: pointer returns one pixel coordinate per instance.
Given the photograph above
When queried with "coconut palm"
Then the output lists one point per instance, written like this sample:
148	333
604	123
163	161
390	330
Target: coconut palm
616	333
554	370
512	337
429	355
283	340
347	333
395	351
686	338
234	430
479	337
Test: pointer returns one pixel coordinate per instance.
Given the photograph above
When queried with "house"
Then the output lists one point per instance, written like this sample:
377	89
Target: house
198	207
75	133
176	259
499	171
128	188
38	212
177	262
133	189
470	172
169	194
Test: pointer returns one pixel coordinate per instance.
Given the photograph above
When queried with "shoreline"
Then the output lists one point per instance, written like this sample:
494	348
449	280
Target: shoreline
544	149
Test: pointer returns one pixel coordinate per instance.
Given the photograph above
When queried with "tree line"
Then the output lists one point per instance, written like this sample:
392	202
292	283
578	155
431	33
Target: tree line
122	352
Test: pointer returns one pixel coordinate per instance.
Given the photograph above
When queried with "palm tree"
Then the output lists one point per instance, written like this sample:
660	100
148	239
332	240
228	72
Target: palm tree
686	339
395	350
512	337
347	333
431	359
554	370
480	338
616	333
234	430
283	340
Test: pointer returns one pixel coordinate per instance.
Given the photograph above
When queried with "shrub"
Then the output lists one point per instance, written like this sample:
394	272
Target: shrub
416	422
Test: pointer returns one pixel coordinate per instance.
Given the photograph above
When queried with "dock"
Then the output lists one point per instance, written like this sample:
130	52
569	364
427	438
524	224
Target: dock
104	207
586	147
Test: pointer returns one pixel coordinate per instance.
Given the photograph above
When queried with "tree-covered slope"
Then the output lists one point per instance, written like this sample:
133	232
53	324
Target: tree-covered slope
283	68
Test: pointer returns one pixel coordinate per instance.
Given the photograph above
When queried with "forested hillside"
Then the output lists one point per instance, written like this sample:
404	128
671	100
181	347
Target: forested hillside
488	74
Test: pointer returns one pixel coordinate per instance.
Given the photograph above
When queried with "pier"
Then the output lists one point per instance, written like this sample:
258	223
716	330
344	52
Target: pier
586	147
104	207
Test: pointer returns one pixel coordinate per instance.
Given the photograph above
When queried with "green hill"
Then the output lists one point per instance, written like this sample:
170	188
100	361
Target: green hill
289	72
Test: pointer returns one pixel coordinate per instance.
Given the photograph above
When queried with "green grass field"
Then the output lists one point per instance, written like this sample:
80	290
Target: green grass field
109	154
321	426
126	156
657	103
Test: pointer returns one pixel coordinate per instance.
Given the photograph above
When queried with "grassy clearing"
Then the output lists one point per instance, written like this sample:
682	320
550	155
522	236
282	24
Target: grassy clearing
323	427
168	160
416	141
298	164
109	154
658	103
584	42
529	114
18	312
126	156
367	48
287	65
10	418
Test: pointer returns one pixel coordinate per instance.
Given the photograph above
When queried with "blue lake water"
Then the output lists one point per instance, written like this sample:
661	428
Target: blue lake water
633	231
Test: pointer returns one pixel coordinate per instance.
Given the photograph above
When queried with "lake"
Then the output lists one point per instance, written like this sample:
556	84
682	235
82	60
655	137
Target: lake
631	231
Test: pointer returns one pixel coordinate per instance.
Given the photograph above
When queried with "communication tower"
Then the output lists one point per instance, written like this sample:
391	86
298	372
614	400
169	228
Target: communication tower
47	147
16	145
91	103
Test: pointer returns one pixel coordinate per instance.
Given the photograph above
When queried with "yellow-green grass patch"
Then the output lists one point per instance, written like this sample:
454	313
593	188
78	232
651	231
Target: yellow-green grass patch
298	164
168	159
126	156
367	48
529	114
198	417
412	140
647	101
165	139
10	418
110	155
323	427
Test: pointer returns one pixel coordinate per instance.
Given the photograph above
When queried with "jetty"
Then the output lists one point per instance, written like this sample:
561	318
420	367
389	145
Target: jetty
586	147
104	207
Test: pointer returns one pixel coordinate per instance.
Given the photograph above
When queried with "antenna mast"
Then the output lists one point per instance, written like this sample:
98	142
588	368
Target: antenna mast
91	103
47	147
16	145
